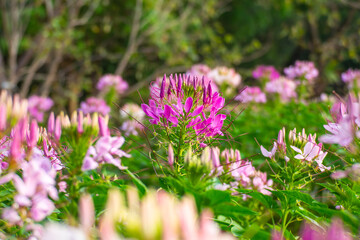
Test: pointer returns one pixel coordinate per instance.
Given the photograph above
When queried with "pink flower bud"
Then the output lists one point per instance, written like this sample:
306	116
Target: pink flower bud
171	155
34	134
57	131
80	123
104	131
3	117
51	123
162	89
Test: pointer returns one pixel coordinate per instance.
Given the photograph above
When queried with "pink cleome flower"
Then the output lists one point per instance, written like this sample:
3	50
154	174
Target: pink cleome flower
37	106
93	104
107	81
264	71
186	99
251	94
304	69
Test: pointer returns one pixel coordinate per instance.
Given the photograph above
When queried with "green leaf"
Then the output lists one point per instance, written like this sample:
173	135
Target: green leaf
139	184
227	209
304	197
215	197
268	201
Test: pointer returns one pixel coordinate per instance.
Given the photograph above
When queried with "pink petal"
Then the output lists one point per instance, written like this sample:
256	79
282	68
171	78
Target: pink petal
188	104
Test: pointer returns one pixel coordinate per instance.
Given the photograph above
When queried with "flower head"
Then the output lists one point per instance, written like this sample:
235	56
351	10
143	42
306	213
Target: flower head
302	69
106	150
112	81
93	104
351	77
38	105
284	87
267	72
188	103
251	94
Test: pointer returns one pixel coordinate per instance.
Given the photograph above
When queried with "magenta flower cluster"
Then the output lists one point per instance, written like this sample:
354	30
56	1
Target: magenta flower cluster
186	102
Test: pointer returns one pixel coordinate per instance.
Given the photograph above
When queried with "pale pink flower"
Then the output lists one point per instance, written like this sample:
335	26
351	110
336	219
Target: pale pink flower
93	104
264	71
286	88
341	133
269	154
37	106
106	150
108	81
251	94
304	69
223	75
351	77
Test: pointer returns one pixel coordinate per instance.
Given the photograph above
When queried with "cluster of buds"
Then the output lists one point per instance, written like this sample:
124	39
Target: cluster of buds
235	172
303	149
187	108
81	123
156	216
12	109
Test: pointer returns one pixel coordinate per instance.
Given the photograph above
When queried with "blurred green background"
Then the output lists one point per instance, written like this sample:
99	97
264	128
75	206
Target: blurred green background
61	47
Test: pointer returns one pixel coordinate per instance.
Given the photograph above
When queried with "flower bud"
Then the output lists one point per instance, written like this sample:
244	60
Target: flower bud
171	155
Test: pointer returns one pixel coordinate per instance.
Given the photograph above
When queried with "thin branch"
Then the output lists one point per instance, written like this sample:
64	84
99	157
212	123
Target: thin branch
30	75
132	44
52	72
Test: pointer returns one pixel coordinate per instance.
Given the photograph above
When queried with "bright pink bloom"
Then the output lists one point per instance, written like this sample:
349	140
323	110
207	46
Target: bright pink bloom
37	106
200	109
251	94
93	104
108	81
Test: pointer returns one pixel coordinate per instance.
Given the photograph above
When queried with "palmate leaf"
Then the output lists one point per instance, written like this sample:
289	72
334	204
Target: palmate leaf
232	210
214	197
304	197
343	193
